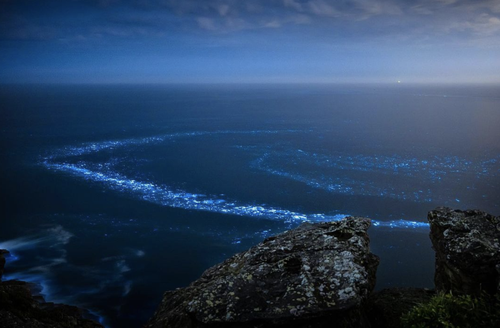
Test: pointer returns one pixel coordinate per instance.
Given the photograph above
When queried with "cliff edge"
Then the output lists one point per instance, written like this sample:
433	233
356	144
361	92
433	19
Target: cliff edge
19	307
307	277
467	245
322	275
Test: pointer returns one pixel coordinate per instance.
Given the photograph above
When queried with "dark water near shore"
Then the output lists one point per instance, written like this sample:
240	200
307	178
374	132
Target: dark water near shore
113	194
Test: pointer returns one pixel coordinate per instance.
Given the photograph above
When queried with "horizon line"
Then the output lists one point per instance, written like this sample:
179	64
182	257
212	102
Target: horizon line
208	83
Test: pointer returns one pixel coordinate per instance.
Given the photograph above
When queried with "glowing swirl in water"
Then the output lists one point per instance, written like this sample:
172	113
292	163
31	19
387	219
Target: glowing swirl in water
166	196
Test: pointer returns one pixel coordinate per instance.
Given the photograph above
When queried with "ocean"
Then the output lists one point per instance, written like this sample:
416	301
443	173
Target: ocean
113	194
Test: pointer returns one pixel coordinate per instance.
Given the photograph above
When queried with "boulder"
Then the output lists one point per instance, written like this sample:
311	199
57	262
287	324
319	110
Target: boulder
467	245
317	275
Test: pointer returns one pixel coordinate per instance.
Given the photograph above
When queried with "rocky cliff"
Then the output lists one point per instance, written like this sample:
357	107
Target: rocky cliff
19	307
318	275
322	275
307	277
467	245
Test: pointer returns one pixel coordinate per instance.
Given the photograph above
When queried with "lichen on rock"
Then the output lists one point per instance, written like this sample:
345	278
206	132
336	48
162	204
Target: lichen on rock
467	245
317	272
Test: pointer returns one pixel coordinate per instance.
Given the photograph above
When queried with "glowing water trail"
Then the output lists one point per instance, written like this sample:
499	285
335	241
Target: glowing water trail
163	195
166	196
341	169
95	147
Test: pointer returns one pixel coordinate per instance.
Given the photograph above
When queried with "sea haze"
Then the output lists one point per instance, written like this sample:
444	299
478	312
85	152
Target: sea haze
114	194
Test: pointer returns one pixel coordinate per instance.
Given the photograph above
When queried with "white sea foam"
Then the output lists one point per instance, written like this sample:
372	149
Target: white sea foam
54	236
110	274
55	239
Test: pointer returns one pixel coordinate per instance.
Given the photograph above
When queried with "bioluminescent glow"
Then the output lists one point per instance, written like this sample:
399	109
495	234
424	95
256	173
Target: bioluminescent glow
55	238
164	195
53	242
331	172
433	170
114	144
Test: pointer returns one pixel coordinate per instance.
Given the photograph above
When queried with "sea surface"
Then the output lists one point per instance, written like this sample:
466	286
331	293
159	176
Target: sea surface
113	194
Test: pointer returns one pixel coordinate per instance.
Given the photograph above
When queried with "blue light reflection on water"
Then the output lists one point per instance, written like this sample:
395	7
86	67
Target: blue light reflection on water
432	171
386	157
167	196
48	248
89	148
162	195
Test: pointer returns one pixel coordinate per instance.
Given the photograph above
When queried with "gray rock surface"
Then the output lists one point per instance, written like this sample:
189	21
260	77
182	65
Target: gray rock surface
317	275
467	245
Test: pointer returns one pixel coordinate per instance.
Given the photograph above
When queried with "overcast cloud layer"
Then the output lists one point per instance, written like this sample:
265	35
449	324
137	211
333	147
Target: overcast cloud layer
249	40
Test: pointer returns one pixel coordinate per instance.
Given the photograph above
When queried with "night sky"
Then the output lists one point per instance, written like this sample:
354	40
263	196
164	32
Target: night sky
205	41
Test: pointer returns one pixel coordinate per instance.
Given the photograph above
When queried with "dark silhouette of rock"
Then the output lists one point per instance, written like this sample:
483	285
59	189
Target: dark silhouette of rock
21	306
3	252
467	245
318	275
386	307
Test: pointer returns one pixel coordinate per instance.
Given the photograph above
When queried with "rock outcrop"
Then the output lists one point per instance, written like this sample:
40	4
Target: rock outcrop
3	252
312	276
19	307
467	245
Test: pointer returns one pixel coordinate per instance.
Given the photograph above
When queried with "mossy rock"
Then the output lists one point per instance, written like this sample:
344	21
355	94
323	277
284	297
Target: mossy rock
446	310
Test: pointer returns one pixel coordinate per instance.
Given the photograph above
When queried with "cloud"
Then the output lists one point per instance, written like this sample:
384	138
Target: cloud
369	8
234	15
18	27
323	8
206	23
223	9
293	4
357	19
483	25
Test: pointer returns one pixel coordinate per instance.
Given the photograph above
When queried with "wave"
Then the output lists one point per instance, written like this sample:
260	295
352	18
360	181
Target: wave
53	239
55	236
42	258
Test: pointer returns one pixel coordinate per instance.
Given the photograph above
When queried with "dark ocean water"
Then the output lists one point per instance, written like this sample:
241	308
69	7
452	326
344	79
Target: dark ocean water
113	194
